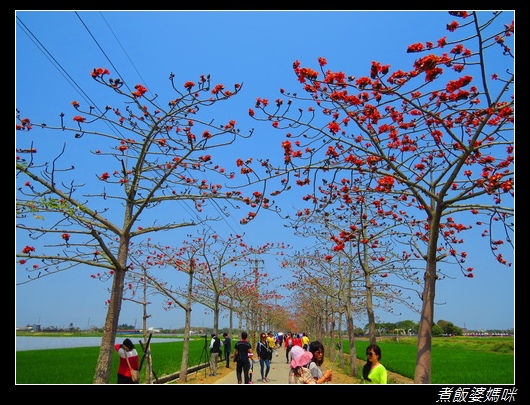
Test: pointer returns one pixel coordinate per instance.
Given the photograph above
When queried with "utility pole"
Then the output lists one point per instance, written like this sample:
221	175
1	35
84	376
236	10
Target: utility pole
256	320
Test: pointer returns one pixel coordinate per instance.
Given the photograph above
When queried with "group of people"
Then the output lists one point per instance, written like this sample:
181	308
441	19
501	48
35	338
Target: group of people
243	355
215	351
306	365
306	360
290	340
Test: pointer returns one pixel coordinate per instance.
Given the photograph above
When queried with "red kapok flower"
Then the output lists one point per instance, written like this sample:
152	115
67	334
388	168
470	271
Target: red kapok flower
28	249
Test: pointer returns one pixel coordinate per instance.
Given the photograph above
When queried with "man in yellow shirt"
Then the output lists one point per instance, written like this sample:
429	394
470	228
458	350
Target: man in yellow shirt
305	341
272	344
271	341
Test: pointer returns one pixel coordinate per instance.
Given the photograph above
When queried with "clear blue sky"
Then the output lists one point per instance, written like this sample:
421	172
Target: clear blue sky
56	51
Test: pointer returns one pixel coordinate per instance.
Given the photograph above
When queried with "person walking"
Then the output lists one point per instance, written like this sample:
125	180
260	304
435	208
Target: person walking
215	348
272	344
241	357
373	371
227	346
128	360
288	345
305	341
316	348
250	367
264	356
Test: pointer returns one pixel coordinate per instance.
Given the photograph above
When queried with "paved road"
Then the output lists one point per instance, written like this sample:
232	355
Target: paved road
278	374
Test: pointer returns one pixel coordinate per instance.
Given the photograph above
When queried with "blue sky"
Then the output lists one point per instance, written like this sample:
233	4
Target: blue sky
57	50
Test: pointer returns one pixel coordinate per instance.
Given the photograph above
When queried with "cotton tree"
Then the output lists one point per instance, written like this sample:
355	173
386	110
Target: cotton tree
254	293
222	258
437	137
138	289
221	265
149	267
370	238
202	269
123	173
322	295
366	271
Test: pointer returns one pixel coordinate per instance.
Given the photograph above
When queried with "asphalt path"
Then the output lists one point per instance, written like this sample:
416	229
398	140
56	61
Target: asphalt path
278	374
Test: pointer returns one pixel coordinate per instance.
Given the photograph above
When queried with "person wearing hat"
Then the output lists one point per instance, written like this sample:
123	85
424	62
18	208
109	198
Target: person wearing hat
299	373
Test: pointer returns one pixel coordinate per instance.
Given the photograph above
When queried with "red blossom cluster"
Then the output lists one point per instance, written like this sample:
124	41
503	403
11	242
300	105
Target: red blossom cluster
99	72
25	125
140	91
28	249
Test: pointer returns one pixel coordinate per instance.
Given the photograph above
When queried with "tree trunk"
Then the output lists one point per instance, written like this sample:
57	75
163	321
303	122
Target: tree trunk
422	373
110	328
351	336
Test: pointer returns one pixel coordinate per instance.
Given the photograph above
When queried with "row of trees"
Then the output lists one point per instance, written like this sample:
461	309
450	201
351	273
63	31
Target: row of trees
407	327
411	151
393	163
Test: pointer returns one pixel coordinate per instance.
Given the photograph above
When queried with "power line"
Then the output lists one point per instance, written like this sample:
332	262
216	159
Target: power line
87	98
102	51
54	62
124	51
62	71
215	204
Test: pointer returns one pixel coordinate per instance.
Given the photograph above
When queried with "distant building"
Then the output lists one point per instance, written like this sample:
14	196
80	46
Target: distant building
29	328
128	331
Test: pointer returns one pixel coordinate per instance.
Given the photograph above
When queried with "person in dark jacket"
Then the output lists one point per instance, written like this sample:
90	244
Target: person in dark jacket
227	346
241	356
264	356
215	348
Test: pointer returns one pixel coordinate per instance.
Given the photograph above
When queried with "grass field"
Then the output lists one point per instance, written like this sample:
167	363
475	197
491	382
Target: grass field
455	360
77	365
